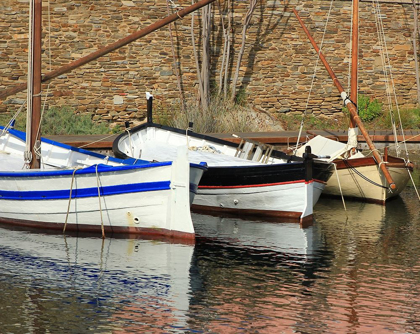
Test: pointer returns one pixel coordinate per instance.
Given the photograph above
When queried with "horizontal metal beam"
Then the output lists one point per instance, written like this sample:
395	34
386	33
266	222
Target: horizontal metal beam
111	47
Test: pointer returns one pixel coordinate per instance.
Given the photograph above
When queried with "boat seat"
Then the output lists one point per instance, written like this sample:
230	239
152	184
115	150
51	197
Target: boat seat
253	150
326	147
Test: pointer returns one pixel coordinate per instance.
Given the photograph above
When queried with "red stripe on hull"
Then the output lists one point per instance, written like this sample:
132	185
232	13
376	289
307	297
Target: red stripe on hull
259	185
95	230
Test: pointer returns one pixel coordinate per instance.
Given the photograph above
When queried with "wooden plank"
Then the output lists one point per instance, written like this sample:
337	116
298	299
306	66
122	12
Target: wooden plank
86	141
272	138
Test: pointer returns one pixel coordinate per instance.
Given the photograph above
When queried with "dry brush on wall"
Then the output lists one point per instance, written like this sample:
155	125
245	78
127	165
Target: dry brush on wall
275	72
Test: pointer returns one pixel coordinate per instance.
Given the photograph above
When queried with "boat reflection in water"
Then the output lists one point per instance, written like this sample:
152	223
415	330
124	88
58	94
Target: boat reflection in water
73	284
288	239
354	272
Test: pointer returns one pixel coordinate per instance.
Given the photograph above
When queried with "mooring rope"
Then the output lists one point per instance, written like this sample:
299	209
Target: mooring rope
339	186
71	190
100	205
414	184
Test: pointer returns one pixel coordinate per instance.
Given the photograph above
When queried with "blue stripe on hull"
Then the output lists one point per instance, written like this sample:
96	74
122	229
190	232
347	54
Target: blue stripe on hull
88	192
131	161
87	170
83	193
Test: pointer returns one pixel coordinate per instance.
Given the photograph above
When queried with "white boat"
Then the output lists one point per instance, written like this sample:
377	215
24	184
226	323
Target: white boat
47	185
285	187
374	178
130	197
359	176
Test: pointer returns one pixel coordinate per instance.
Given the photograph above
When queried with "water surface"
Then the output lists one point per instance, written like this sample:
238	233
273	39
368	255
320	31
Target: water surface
354	271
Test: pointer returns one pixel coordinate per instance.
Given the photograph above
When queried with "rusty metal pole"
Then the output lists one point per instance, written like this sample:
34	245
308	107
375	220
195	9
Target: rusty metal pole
350	106
111	47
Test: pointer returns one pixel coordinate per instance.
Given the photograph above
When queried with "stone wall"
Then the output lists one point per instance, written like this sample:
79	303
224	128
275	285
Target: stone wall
276	72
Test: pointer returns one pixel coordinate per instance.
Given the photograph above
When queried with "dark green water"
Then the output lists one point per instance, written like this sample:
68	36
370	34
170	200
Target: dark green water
352	272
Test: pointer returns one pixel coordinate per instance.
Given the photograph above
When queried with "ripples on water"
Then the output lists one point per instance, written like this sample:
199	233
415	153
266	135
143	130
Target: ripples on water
349	273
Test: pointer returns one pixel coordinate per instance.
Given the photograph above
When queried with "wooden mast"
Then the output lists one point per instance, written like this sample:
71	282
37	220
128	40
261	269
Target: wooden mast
111	47
350	106
35	109
354	57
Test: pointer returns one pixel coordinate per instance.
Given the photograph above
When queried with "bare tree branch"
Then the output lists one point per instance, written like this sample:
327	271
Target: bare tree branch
224	48
228	46
197	64
205	65
252	5
176	68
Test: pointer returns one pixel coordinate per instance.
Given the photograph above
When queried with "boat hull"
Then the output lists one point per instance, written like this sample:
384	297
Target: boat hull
134	200
362	179
262	190
288	202
140	198
285	189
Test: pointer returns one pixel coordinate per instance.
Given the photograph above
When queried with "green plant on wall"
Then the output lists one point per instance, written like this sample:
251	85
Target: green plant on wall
368	109
62	121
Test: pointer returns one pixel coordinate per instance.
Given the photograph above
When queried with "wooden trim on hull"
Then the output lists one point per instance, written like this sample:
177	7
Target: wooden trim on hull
128	232
370	161
270	215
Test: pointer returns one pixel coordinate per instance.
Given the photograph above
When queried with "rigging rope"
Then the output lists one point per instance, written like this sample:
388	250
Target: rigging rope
362	176
313	78
7	127
387	64
27	153
37	148
97	141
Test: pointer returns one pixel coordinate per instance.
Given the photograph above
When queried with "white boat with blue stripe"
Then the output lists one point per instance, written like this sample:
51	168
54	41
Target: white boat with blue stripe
52	186
81	191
